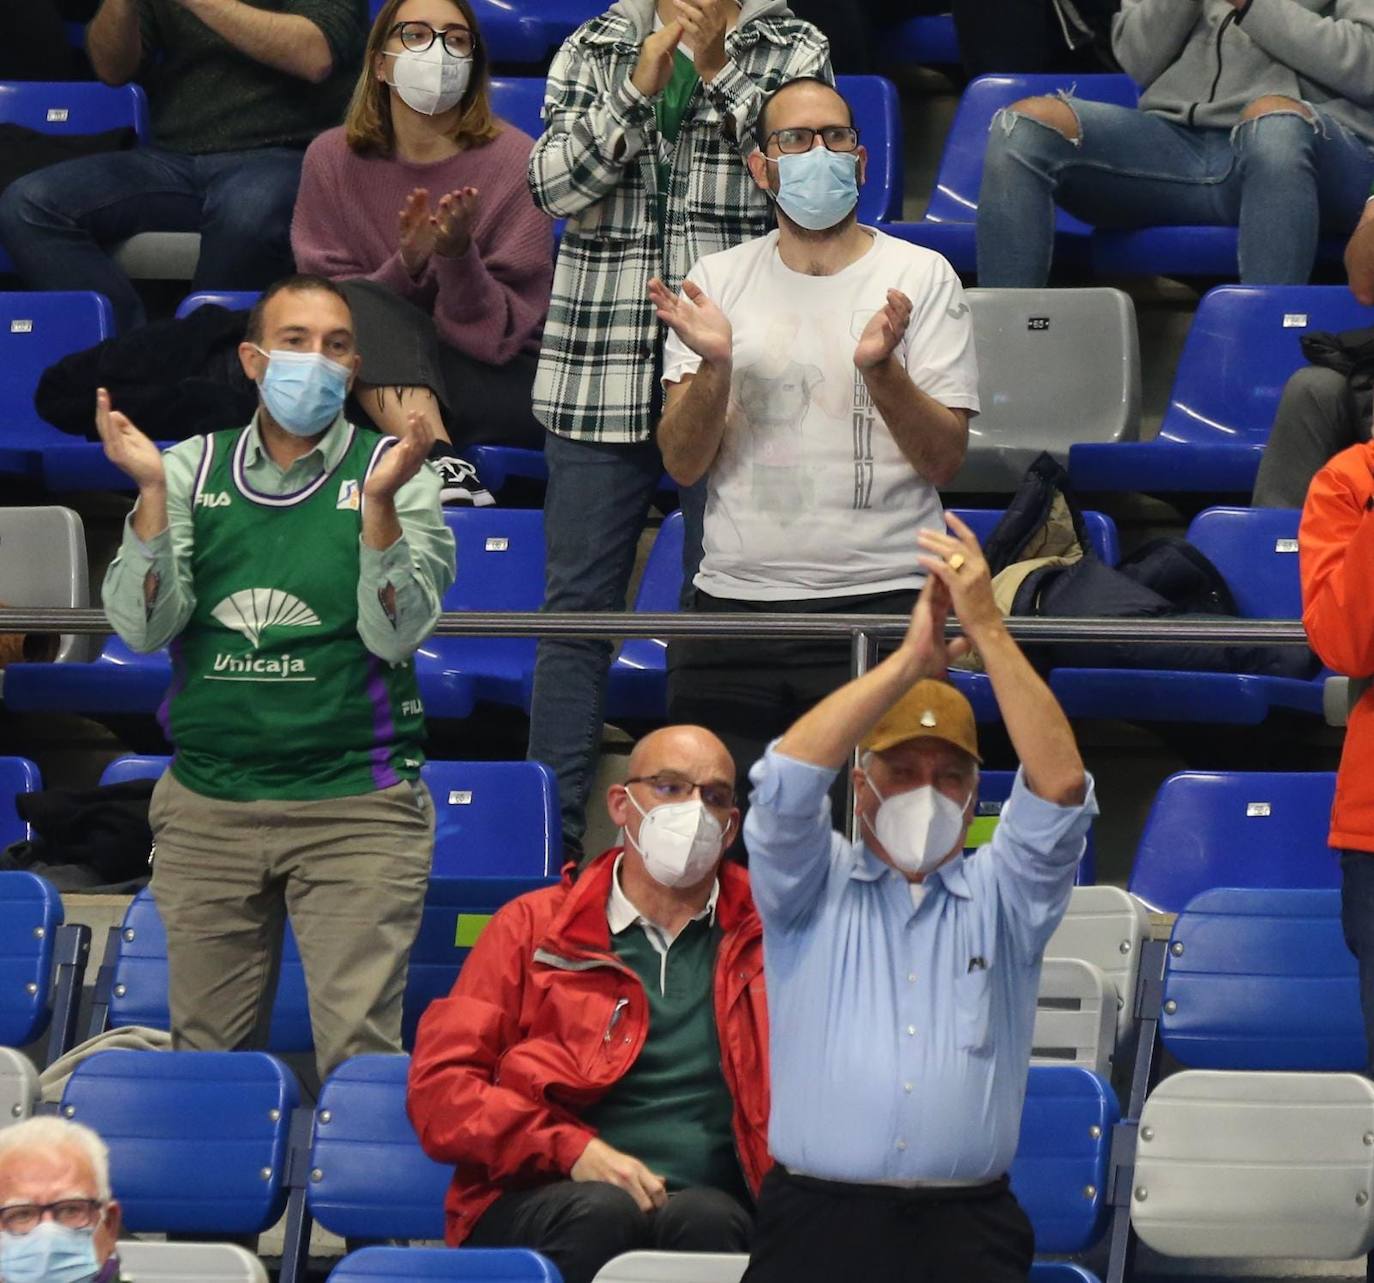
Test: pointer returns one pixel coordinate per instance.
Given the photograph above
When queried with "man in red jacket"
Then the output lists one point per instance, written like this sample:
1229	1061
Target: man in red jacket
599	1074
1336	552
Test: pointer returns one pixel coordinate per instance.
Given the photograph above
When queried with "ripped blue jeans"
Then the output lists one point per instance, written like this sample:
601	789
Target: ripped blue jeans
1282	179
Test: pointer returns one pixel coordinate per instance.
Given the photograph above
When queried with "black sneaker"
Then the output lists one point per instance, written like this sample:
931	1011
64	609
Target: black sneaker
459	484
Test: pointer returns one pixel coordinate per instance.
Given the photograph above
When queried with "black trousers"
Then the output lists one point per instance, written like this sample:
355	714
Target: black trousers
822	1231
580	1225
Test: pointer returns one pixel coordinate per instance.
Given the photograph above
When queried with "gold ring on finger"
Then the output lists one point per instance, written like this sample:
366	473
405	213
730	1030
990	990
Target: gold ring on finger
956	562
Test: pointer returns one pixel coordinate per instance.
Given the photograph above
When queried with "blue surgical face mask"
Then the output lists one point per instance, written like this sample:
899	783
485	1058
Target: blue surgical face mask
817	188
49	1253
303	391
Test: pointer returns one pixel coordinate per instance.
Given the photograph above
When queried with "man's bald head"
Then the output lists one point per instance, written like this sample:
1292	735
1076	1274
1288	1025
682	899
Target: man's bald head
684	750
803	97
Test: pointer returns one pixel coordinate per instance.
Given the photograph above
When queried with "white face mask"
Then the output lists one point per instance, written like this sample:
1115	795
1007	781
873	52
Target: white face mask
431	81
680	842
918	828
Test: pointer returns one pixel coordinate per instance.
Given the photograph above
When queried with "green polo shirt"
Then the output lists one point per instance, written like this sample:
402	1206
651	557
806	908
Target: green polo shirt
672	1110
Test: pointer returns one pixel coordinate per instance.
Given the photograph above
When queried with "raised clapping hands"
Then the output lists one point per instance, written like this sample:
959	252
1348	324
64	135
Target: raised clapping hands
698	322
402	461
600	1162
655	66
957	563
884	331
704	24
445	230
126	447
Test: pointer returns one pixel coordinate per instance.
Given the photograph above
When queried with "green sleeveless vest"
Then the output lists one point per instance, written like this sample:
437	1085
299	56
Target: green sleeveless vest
273	693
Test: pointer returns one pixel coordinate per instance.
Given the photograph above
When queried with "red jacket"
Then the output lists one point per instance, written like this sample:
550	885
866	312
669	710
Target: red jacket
1336	549
504	1067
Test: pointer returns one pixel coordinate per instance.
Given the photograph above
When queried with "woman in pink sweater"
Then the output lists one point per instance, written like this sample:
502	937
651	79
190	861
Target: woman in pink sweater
419	206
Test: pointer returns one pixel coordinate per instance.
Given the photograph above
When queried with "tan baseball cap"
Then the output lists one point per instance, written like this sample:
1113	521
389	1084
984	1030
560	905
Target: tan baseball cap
929	710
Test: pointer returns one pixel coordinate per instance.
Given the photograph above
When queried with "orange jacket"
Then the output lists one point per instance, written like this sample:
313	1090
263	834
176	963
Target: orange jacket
1336	551
544	1019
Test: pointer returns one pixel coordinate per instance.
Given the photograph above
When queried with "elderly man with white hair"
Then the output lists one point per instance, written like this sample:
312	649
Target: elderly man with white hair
58	1222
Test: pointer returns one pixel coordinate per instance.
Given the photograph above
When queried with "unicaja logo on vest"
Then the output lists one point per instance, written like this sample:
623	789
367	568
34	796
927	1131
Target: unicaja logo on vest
252	611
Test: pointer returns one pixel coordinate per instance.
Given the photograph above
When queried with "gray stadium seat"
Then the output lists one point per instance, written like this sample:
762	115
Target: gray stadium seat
189	1263
1256	1165
1055	367
43	563
18	1086
160	256
1105	925
674	1267
1075	1016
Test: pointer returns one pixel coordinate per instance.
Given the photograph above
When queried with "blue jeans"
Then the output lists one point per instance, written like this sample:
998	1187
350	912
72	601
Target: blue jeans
594	509
1281	179
59	222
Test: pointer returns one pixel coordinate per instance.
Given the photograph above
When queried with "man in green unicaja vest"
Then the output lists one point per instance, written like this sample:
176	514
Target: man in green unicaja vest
293	565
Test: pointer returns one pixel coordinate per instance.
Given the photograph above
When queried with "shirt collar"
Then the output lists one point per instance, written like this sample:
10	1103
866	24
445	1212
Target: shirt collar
325	454
621	912
868	868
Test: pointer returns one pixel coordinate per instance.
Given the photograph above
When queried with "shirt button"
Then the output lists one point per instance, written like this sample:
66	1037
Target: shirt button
911	1031
906	1087
911	977
901	1144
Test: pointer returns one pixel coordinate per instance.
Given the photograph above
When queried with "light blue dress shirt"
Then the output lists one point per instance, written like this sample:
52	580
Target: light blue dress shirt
900	1033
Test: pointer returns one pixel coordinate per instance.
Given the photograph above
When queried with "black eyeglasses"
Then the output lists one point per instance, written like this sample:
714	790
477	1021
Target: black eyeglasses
667	787
800	139
73	1213
418	36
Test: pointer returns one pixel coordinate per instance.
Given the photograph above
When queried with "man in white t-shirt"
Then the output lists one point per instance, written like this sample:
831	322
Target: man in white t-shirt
821	378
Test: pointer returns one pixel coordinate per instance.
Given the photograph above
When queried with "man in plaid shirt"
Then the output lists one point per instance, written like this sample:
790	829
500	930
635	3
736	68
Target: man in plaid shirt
647	115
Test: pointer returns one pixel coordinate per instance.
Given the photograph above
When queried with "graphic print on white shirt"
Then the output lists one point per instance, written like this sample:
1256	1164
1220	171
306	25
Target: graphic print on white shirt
810	495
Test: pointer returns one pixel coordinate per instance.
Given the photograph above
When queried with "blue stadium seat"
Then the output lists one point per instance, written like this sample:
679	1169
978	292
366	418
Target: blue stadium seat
36	329
123	769
456	912
471	1265
1243	345
638	684
520	100
1235	829
1182	251
374	1179
234	300
1262	979
17	775
1059	1174
929	41
994	788
118	680
501	567
132	986
198	1139
494	819
72	107
948	225
1059	1272
30	915
878	118
1256	551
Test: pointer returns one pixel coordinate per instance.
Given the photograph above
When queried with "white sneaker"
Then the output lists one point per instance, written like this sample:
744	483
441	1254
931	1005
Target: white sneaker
459	484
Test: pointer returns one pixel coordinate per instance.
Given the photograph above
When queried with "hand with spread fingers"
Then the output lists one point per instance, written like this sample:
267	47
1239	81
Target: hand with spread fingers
126	447
400	463
416	231
453	221
884	331
956	561
697	321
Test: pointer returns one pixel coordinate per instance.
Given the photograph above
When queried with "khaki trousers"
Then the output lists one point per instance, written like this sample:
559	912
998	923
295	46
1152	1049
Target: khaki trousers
350	872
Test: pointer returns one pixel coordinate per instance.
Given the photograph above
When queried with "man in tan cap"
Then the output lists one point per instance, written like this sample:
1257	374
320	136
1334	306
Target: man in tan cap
902	977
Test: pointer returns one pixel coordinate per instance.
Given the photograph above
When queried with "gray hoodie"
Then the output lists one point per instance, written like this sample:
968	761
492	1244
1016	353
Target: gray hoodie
1202	64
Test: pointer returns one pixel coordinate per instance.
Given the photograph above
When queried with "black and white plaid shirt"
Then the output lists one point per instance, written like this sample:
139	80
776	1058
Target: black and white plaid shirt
595	165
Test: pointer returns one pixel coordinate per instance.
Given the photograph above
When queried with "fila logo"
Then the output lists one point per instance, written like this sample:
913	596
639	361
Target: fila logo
219	500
